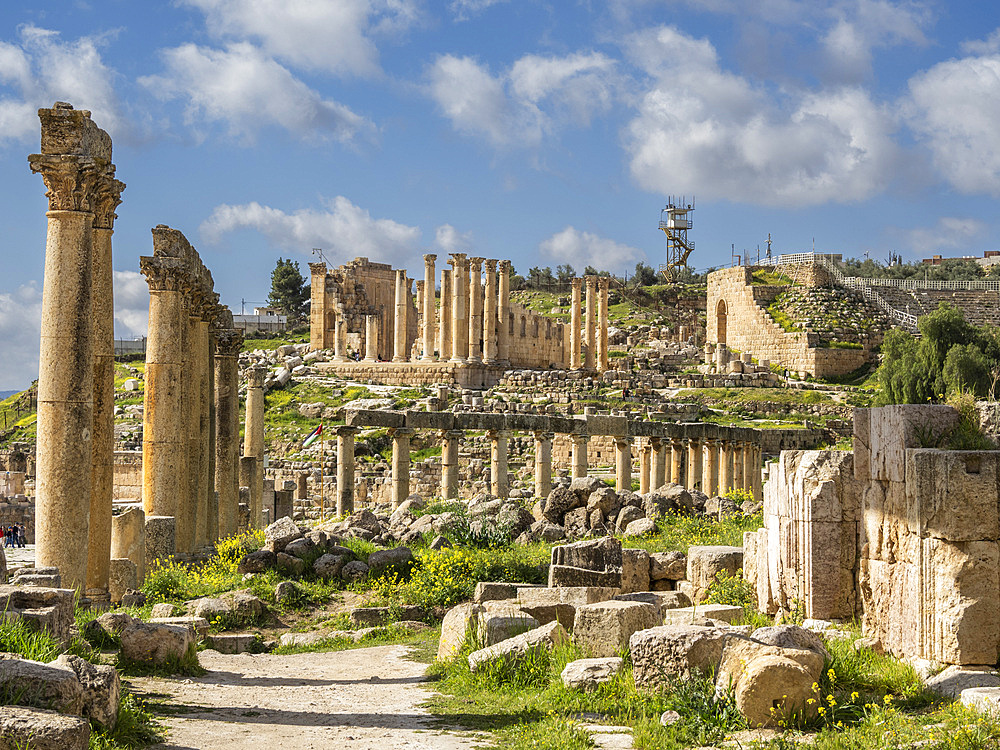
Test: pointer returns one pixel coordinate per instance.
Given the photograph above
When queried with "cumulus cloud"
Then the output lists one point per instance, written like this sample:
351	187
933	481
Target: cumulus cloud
865	25
536	96
342	229
949	233
701	129
248	90
582	249
131	294
466	9
450	240
20	330
42	68
954	108
334	37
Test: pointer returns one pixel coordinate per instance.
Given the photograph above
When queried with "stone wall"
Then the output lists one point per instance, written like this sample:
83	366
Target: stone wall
536	341
128	476
737	316
19	510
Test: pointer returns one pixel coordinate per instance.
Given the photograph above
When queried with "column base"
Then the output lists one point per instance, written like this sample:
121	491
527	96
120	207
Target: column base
339	358
457	360
474	360
400	359
428	358
492	362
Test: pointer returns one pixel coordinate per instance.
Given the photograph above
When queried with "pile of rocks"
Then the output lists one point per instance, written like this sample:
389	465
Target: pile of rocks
284	362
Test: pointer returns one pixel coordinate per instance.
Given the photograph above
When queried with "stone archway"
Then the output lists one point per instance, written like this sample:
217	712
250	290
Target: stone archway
721	319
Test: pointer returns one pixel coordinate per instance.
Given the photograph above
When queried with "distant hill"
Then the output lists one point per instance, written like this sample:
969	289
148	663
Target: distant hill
7	394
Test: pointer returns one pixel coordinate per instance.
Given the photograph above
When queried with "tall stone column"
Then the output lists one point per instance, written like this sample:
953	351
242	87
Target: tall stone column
227	428
710	478
756	461
645	467
253	440
340	339
503	312
164	442
588	354
579	467
725	466
399	352
490	315
658	470
737	477
575	323
449	463
429	307
499	483
74	151
212	497
345	470
420	322
400	465
107	199
694	471
623	464
317	306
602	323
476	310
371	338
460	308
188	503
444	319
543	464
676	460
206	480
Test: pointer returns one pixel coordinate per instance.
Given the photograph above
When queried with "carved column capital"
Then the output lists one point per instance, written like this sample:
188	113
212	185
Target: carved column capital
429	259
490	264
504	266
256	376
228	342
577	283
107	197
70	180
162	274
317	269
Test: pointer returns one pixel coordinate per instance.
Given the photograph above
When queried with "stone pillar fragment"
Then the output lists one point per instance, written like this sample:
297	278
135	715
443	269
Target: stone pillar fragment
579	466
476	310
694	467
602	323
725	467
658	472
623	464
575	323
676	460
737	475
491	321
399	350
499	483
589	341
340	339
543	464
429	308
503	312
227	428
128	539
400	465
371	338
253	441
345	470
645	467
449	463
445	322
710	478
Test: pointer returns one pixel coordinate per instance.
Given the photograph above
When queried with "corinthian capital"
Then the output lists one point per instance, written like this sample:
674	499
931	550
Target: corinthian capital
228	342
107	197
162	274
70	180
256	376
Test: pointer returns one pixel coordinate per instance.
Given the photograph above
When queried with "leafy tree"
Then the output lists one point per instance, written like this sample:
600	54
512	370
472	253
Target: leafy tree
289	291
966	370
644	275
565	273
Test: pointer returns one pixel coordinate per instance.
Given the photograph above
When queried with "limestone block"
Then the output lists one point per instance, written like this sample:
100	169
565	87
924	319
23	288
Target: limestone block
128	539
686	615
54	685
954	680
122	577
157	643
559	604
670	566
893	429
397	557
160	539
587	674
40	729
605	628
639	528
257	562
953	494
454	628
635	570
705	562
280	533
42	608
862	444
493	591
499	625
100	686
197	623
676	651
547	636
983	699
234	643
791	636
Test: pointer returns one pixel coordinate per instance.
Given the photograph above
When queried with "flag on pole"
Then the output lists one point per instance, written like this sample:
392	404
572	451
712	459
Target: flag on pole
312	437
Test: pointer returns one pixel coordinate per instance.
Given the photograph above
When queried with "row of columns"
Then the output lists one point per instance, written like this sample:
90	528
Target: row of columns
713	466
595	331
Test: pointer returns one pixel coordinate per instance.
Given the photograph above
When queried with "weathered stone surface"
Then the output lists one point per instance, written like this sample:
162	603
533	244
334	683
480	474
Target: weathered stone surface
493	591
163	609
42	608
595	562
198	624
626	516
280	533
704	563
383	559
234	643
605	628
676	651
547	636
791	636
952	681
985	699
639	528
587	674
257	562
238	606
40	729
893	429
559	604
499	625
51	685
669	566
670	498
355	570
156	643
559	502
635	570
722	612
455	627
101	689
329	565
300	548
662	600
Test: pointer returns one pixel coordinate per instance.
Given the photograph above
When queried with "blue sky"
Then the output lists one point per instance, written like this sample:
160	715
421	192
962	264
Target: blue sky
543	132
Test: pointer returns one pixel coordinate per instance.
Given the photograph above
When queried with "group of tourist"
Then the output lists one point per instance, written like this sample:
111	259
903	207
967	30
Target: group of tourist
13	535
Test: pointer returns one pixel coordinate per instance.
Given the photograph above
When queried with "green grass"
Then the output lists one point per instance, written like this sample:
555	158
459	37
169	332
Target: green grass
780	317
736	396
770	278
387	634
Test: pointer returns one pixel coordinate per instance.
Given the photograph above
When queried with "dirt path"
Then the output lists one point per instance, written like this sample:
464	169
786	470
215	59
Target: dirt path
359	699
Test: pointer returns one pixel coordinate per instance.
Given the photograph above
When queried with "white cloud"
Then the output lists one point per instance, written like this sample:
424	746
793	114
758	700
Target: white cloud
321	35
450	240
131	295
41	69
20	332
522	105
343	230
865	25
581	249
700	129
949	233
466	9
247	90
954	108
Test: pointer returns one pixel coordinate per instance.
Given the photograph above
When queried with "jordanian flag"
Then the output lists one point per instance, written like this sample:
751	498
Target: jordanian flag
312	437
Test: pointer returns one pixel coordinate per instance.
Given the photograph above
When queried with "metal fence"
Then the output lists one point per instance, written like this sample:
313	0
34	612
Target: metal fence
130	346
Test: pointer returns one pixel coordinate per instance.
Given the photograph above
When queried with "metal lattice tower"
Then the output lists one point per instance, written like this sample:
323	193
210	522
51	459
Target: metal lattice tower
675	222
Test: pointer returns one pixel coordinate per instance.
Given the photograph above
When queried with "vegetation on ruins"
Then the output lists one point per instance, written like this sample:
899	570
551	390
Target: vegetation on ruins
950	269
289	290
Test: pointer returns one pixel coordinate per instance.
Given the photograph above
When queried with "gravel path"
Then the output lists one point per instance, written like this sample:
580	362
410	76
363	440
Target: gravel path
358	699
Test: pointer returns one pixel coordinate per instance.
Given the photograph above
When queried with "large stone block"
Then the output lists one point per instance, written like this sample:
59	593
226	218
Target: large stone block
595	562
52	685
45	609
670	651
545	637
704	563
40	729
155	643
605	628
953	495
635	570
560	604
893	429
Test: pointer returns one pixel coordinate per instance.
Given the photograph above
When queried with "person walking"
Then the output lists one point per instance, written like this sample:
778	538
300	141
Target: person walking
22	535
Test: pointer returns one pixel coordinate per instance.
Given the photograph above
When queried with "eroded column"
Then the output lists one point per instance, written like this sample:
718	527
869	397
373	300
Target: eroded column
575	324
339	338
589	341
429	307
460	308
694	467
399	352
737	477
345	470
206	479
490	316
710	477
658	472
445	322
725	466
645	467
475	310
400	464
499	482
676	461
227	428
253	441
543	463
371	338
623	464
503	312
602	323
579	466
449	463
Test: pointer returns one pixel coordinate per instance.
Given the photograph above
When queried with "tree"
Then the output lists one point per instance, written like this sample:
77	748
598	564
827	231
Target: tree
644	275
565	273
289	291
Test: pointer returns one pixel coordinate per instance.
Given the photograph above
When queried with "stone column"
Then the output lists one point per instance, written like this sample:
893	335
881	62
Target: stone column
579	455
345	470
676	460
756	461
164	443
645	467
400	465
602	323
107	199
503	311
211	495
725	466
420	322
490	315
128	539
623	464
749	468
498	463
371	338
543	464
588	354
227	428
399	351
694	471
476	310
317	306
340	339
575	323
206	479
253	440
444	319
449	463
658	470
460	308
710	478
737	476
429	307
